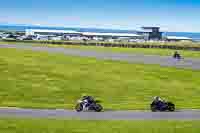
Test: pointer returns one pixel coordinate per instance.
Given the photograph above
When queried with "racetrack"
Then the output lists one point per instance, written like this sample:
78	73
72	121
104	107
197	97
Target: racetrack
108	115
188	63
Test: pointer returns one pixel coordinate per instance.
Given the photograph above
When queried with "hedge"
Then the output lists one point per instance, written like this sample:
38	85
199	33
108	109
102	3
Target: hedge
166	45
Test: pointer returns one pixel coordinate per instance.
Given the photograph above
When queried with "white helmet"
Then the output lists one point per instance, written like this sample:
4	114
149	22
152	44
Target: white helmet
157	98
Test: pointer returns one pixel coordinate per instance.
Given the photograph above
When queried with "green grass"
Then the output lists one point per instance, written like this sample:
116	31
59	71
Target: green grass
72	126
147	51
42	80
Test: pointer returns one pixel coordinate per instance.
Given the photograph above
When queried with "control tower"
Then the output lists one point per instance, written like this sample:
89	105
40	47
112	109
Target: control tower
151	33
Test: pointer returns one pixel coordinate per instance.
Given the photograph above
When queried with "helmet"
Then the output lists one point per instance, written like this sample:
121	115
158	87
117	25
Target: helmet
157	98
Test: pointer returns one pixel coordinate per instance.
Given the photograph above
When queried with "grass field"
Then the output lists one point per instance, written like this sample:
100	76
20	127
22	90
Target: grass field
147	51
72	126
42	80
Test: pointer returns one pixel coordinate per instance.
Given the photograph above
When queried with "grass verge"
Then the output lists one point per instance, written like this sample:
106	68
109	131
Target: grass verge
71	126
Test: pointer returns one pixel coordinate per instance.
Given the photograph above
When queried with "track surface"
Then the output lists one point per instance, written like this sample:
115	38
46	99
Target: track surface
109	115
188	63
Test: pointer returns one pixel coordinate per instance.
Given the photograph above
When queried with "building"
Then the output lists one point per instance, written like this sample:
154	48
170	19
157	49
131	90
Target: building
146	34
151	33
177	38
104	36
50	32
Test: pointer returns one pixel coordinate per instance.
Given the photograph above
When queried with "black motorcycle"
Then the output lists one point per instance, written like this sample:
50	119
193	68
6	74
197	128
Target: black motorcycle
83	105
162	106
176	55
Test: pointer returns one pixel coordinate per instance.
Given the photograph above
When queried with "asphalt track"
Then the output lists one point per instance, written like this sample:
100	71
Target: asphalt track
187	63
108	115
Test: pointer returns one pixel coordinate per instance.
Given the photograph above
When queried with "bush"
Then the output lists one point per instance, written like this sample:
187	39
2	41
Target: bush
166	45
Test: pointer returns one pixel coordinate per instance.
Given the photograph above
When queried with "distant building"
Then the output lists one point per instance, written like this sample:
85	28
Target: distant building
111	35
151	33
177	38
55	38
50	32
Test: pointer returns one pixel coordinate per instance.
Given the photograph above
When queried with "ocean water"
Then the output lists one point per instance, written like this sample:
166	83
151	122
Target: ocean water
194	36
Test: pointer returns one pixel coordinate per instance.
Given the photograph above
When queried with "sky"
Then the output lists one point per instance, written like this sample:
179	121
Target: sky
170	15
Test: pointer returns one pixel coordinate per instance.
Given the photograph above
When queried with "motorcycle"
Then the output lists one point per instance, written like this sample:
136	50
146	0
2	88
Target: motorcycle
177	56
83	105
162	106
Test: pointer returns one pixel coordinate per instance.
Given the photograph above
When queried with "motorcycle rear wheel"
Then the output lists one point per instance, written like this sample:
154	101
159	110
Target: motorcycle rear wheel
153	108
79	107
171	108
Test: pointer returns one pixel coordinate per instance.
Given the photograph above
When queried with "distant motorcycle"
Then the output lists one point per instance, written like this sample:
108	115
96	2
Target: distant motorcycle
162	106
83	105
176	55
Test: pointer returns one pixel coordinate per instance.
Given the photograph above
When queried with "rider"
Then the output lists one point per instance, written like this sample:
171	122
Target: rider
176	54
158	101
89	99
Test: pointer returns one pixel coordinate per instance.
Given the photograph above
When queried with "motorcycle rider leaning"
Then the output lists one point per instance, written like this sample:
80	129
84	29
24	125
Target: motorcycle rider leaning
176	55
158	101
88	99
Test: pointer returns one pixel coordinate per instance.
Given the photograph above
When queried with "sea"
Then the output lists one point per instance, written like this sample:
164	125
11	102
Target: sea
195	36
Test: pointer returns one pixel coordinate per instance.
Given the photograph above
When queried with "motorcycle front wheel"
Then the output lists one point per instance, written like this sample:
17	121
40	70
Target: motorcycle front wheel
98	108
